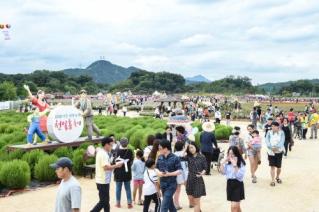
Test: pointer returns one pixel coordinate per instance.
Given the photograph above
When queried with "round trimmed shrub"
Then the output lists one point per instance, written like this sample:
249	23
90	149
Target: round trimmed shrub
32	158
78	161
63	152
137	138
42	170
15	174
222	133
197	124
130	132
17	154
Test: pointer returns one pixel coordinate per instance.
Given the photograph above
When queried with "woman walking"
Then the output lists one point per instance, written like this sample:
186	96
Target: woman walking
207	140
234	167
195	186
252	154
123	175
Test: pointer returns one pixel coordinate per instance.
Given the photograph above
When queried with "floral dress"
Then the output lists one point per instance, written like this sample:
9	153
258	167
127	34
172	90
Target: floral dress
195	186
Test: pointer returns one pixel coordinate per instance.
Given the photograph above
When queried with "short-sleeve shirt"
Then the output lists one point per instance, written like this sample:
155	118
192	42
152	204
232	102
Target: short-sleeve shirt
171	163
102	159
42	107
68	196
44	118
150	179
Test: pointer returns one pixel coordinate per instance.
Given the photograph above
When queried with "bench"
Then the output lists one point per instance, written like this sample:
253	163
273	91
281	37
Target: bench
89	169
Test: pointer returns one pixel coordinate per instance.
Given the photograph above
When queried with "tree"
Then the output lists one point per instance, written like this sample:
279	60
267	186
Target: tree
8	91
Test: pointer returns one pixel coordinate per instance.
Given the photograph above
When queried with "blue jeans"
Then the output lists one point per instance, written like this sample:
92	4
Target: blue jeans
127	186
168	190
35	128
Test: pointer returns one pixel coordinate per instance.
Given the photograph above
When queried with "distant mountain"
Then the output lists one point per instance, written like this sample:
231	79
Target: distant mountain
196	79
103	71
275	87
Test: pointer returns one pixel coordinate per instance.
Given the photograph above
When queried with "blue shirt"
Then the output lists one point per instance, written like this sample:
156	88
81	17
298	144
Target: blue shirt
171	163
230	172
275	140
138	168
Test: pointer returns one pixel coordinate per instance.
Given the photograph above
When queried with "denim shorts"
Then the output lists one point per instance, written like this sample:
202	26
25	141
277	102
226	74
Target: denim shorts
254	150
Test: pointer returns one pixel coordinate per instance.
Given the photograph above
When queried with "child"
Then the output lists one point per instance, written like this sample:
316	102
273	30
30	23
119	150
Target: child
255	144
236	140
138	168
34	120
181	179
267	126
151	188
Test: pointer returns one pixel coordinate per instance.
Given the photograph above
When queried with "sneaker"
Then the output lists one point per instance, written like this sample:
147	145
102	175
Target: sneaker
118	205
129	206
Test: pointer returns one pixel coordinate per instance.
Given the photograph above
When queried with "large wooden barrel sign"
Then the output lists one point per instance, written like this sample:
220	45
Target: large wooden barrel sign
65	124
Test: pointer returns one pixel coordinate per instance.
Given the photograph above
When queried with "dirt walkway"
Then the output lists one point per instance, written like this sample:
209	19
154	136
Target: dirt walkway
298	193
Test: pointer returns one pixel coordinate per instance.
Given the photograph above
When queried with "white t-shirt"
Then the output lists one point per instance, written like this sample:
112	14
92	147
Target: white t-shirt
150	178
102	159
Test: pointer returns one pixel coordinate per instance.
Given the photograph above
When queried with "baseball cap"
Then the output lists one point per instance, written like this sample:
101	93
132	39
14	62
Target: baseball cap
62	162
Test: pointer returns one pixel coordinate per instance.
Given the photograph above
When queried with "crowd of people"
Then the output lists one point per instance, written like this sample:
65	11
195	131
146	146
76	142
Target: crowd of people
173	161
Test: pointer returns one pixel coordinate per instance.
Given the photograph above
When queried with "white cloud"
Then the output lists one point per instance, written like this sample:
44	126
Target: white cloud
196	40
213	38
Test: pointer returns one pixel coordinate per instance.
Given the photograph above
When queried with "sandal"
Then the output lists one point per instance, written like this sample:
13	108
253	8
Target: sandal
272	184
278	180
191	206
254	180
179	208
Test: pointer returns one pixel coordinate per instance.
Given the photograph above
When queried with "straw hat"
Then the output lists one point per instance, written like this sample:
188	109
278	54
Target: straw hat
191	137
208	127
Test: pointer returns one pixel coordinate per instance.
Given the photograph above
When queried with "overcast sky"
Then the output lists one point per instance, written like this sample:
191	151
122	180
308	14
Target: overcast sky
266	40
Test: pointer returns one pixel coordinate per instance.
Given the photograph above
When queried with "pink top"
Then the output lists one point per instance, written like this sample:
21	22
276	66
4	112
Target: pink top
255	140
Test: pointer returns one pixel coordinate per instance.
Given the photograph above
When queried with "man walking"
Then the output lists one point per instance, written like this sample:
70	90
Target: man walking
103	173
168	166
275	140
68	198
313	122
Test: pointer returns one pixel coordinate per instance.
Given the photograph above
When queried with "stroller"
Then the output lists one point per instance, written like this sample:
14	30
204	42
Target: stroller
217	158
297	129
